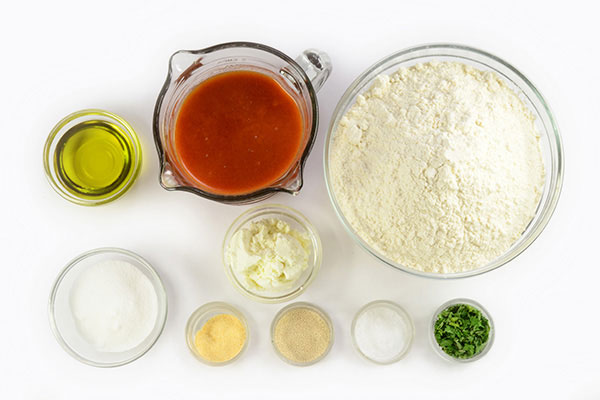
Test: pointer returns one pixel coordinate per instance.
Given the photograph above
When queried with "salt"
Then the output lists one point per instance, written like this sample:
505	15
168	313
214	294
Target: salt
114	305
382	333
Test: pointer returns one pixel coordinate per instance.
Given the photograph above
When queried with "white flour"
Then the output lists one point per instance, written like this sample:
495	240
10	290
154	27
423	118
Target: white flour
114	305
438	167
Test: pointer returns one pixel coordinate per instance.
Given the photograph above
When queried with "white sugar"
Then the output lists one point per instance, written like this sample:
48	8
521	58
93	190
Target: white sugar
114	305
381	333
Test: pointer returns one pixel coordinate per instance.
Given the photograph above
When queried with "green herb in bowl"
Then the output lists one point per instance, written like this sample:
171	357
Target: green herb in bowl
462	330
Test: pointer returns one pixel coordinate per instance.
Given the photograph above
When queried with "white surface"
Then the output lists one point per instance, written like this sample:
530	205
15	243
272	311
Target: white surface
58	58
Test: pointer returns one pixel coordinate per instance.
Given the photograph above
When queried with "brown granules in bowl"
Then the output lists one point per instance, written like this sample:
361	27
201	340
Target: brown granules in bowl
302	335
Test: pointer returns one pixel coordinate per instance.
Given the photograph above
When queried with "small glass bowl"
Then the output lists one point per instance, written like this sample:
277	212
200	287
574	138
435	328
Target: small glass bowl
550	141
72	120
201	316
296	221
64	326
438	348
395	308
309	306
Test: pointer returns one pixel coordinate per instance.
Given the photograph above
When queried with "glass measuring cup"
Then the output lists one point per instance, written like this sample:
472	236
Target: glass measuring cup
300	78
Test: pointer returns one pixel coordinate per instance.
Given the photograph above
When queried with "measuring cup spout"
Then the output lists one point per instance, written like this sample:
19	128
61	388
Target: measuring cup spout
182	60
168	179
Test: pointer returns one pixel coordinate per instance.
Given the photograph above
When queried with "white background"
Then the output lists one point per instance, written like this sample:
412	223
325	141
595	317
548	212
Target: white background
60	57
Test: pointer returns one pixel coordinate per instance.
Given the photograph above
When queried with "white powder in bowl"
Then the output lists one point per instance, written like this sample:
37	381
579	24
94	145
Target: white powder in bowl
438	167
114	305
381	333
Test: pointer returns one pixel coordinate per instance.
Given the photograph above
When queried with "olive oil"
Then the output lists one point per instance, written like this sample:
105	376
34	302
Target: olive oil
95	159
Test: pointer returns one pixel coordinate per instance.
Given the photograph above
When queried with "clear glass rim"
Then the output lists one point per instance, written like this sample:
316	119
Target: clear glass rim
312	307
448	50
260	194
483	311
395	307
58	130
157	283
198	314
275	209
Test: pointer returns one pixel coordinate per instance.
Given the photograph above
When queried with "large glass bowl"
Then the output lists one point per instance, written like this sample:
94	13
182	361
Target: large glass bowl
551	145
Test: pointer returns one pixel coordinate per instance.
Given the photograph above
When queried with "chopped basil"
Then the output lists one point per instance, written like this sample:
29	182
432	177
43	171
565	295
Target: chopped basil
462	331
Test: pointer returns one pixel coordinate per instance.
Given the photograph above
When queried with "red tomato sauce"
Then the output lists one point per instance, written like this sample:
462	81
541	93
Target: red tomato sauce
238	132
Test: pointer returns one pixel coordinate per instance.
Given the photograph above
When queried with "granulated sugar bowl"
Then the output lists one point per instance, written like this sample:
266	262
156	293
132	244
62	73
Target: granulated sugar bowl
107	307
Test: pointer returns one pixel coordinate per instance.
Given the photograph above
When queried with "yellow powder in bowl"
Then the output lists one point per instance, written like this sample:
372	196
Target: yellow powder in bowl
221	338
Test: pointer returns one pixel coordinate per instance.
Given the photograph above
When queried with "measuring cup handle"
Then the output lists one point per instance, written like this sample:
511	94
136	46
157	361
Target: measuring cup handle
317	66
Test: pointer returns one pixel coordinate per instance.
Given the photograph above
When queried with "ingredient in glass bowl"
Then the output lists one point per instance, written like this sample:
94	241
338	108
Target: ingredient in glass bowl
221	338
238	132
94	159
462	331
114	305
268	255
302	335
438	167
381	333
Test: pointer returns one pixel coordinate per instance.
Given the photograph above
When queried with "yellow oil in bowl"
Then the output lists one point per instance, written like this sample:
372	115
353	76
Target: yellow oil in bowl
92	157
